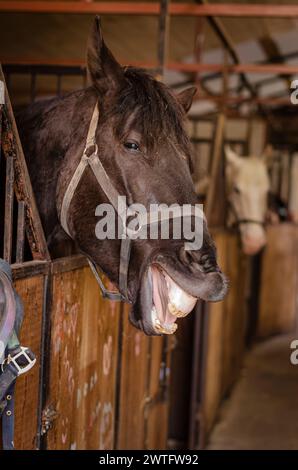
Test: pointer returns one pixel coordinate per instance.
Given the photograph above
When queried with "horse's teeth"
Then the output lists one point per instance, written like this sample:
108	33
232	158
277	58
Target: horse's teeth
180	303
167	330
174	311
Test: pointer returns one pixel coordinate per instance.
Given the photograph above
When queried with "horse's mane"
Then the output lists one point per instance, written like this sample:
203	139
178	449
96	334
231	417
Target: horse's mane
150	107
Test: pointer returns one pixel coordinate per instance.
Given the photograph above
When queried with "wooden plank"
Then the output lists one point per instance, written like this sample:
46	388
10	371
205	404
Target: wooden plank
134	394
29	269
227	323
84	357
8	211
235	313
69	263
20	232
278	296
31	291
150	8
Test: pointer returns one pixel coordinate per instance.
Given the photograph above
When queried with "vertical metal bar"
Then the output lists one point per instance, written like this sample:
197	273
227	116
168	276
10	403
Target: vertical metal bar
33	87
84	75
8	221
59	82
163	37
1	107
20	232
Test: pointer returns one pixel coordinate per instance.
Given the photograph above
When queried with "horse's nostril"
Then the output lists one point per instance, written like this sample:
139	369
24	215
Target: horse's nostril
204	259
186	256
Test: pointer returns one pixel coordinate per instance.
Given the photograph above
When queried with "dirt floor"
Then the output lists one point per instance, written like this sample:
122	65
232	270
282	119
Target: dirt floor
262	410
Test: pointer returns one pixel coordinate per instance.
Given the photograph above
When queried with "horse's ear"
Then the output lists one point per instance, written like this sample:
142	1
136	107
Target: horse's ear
232	156
185	97
104	70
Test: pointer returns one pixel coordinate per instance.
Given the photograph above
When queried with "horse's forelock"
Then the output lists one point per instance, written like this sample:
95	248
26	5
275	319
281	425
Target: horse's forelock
150	108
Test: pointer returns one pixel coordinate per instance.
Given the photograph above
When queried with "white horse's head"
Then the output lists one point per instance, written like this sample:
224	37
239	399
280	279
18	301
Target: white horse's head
247	185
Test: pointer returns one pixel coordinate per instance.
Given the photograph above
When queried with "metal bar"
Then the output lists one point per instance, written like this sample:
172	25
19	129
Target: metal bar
163	36
236	100
59	84
53	66
20	232
1	110
152	8
8	220
33	87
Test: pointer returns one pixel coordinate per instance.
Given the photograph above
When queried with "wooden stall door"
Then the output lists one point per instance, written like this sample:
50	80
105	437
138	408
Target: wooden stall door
83	363
279	281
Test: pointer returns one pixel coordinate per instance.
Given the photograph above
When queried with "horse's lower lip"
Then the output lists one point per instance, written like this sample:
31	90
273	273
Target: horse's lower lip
169	301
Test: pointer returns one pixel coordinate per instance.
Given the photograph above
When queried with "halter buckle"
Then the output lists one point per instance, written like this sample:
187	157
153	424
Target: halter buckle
21	369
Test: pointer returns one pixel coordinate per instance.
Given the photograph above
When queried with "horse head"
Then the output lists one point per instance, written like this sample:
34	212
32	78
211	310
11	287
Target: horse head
143	147
247	187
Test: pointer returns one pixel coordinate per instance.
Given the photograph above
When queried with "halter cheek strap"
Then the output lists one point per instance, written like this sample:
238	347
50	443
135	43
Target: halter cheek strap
90	158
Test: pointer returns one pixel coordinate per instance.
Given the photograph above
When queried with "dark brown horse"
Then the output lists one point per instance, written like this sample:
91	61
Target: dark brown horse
145	151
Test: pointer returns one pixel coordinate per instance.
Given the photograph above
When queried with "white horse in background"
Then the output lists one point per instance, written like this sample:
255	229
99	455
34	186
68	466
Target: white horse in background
247	186
247	189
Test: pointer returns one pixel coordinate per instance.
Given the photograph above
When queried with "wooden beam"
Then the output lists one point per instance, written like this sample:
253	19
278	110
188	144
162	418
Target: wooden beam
150	8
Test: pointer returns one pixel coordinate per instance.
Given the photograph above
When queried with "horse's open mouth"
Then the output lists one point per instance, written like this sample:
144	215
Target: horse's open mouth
169	301
169	290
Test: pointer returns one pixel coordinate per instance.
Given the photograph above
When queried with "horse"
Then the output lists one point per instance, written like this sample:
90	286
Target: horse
122	135
250	205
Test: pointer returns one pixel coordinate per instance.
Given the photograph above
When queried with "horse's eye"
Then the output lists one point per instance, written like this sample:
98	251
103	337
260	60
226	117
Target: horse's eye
132	145
236	190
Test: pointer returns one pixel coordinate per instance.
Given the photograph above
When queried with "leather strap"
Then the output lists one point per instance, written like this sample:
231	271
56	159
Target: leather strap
90	158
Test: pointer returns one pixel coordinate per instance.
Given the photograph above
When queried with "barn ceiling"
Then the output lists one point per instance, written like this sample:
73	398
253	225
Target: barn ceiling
62	37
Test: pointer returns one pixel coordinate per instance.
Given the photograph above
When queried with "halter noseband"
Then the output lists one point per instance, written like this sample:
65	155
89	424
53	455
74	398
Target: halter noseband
90	158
